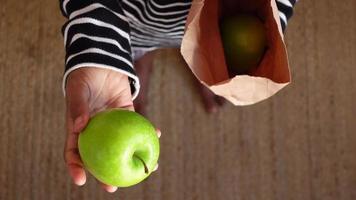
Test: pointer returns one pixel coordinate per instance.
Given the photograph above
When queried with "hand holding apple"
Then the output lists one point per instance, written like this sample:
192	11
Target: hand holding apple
90	90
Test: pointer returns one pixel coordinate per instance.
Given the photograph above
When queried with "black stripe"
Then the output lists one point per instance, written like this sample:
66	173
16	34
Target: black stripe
156	35
154	41
171	8
100	59
288	11
283	24
105	15
132	85
143	16
139	45
74	5
293	2
61	8
92	29
85	43
152	30
145	9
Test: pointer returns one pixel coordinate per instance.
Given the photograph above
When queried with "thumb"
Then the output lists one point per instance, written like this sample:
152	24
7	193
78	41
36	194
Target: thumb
77	97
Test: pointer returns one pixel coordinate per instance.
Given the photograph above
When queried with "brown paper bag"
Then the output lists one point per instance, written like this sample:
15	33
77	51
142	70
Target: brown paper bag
202	50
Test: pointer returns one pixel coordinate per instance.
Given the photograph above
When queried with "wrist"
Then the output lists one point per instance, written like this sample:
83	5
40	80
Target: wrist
122	75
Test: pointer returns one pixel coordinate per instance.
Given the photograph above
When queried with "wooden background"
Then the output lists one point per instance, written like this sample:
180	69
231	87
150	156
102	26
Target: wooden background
298	145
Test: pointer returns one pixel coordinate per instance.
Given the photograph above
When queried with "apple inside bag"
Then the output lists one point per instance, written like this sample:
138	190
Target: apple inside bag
203	50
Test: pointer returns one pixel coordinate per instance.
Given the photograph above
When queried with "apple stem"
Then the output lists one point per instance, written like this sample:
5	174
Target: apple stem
144	164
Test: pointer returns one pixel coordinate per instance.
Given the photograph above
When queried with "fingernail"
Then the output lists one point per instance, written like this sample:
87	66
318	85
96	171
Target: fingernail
77	174
159	133
80	182
156	167
112	189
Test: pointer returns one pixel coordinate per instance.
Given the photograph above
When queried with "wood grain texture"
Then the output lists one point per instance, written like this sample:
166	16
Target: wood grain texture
297	145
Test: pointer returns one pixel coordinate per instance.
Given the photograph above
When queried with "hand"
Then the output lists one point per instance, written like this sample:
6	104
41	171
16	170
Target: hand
90	90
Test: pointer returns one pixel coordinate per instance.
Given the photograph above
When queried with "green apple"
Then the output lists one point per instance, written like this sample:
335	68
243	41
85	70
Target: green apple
244	41
119	147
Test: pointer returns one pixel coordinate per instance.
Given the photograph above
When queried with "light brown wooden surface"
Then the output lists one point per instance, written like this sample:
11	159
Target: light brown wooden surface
298	145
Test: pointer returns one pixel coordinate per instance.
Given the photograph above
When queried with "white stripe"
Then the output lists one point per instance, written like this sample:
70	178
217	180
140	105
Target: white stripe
283	17
136	40
98	39
162	19
167	13
98	65
171	5
100	51
134	21
173	43
149	30
164	44
155	42
93	7
285	2
65	2
149	33
145	42
153	23
158	37
86	20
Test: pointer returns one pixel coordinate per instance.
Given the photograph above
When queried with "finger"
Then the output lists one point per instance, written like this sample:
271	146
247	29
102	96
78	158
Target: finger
108	188
159	133
71	152
72	157
77	173
73	161
80	122
75	166
155	168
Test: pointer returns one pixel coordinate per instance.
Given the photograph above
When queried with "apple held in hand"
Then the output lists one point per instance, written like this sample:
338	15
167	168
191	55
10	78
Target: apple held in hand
119	147
244	41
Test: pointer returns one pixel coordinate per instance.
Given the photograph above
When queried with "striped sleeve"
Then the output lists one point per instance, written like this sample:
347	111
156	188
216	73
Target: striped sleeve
285	8
96	34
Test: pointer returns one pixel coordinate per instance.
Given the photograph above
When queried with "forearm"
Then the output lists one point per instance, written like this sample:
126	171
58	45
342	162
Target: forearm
97	35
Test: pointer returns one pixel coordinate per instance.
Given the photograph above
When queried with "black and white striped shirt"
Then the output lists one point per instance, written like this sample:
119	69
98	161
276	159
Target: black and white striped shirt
107	33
